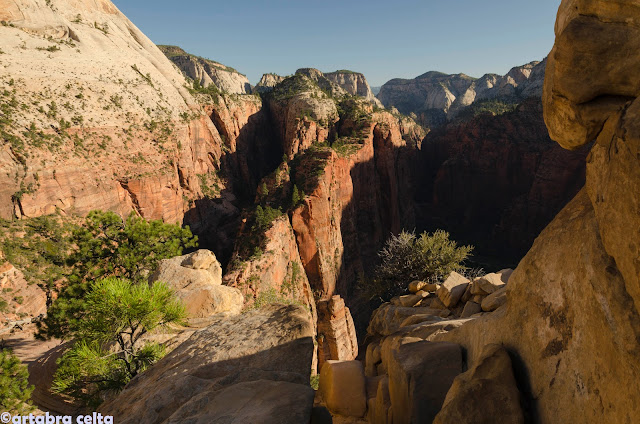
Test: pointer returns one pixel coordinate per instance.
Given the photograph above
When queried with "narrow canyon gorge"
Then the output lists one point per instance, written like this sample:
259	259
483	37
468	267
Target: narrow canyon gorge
293	187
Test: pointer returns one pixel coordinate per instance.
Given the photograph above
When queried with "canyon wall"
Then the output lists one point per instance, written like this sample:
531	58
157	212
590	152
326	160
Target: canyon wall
497	181
95	116
571	322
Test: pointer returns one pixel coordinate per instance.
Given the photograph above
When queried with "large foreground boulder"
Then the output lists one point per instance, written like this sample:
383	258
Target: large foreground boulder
342	386
197	281
420	375
239	369
485	394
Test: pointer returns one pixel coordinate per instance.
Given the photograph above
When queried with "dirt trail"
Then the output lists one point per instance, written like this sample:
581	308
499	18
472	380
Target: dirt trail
40	357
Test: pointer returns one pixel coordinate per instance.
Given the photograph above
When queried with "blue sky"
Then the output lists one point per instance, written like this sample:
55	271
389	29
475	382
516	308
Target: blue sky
382	39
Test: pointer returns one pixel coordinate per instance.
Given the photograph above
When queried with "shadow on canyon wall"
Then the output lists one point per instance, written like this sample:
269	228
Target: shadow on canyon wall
251	155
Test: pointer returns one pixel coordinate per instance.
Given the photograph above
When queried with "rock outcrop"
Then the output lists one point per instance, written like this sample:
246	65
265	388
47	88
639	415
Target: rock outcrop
485	394
251	368
337	337
571	320
267	82
207	72
19	301
196	279
343	388
353	83
276	273
438	97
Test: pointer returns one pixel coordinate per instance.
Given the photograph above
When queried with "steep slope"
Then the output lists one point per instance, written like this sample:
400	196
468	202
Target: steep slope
572	320
94	116
207	72
497	181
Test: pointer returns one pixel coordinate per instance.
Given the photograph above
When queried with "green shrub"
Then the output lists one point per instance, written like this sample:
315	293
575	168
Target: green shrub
106	245
15	391
406	257
109	350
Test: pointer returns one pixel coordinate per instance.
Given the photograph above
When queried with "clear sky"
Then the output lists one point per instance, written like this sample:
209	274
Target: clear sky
382	39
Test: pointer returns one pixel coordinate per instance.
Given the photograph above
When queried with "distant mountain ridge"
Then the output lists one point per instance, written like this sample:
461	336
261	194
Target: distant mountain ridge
437	97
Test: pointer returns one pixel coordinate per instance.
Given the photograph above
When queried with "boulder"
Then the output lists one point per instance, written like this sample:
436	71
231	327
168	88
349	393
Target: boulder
409	300
467	295
505	274
437	304
470	308
203	259
476	289
416	286
265	353
478	298
196	279
420	375
489	283
388	319
417	319
343	389
452	289
495	300
485	394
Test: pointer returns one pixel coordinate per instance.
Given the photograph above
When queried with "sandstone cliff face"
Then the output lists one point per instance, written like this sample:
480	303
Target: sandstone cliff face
267	82
96	116
276	273
19	301
576	291
437	97
207	72
497	181
353	83
302	113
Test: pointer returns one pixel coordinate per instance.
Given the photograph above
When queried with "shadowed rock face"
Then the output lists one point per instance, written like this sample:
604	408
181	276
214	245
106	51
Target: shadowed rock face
572	321
497	181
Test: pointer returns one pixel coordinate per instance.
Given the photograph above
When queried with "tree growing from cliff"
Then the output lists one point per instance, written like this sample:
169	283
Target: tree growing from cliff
106	245
15	391
406	258
109	349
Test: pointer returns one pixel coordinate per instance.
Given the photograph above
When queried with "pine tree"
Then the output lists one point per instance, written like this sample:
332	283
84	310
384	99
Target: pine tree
15	391
295	196
109	350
